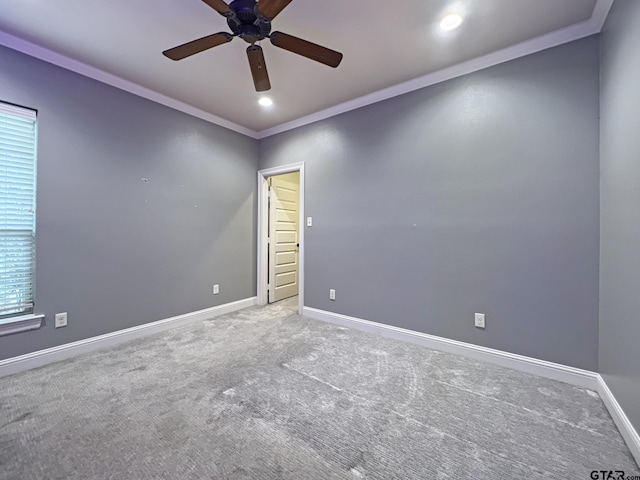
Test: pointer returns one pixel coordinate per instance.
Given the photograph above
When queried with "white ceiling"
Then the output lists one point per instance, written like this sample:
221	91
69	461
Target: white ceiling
384	45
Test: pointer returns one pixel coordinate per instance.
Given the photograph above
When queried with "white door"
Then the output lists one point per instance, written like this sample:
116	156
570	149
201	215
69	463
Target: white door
283	236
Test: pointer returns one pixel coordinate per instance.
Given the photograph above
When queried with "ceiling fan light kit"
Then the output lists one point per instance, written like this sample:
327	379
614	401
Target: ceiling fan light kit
251	21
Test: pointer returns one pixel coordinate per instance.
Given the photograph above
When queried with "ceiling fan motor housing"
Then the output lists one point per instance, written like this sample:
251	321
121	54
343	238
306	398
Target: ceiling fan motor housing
247	24
253	24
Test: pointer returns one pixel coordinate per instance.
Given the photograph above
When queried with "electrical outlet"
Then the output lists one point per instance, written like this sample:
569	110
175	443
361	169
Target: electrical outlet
61	320
216	289
309	222
332	294
480	320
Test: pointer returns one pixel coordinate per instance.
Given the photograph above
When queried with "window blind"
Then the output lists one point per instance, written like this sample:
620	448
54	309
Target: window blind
17	209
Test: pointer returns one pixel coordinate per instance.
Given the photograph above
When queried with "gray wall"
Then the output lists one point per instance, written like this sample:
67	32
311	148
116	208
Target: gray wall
475	195
113	251
479	194
620	207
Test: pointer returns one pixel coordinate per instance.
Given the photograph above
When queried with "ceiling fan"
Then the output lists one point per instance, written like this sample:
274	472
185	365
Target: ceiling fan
251	21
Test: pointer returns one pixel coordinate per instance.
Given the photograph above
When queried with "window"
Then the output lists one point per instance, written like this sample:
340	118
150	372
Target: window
17	209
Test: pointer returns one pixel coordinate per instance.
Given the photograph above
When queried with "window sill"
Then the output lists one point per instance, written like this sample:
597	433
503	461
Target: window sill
24	323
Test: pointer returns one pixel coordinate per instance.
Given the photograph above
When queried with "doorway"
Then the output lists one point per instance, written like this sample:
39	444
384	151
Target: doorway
281	234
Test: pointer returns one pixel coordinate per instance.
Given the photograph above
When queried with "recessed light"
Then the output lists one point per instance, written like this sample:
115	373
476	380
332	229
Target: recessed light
265	102
451	21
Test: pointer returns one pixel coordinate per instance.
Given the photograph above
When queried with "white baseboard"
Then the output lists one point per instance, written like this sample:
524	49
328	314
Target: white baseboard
554	371
62	352
574	376
621	420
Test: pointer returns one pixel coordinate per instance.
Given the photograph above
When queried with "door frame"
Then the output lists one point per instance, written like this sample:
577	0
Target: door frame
263	222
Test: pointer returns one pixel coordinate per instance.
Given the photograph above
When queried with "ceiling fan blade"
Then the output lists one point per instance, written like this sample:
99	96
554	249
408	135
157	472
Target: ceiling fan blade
306	49
197	46
258	68
219	6
271	8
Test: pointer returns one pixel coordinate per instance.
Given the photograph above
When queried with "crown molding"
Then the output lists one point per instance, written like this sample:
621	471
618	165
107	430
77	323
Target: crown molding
528	47
68	63
574	32
600	13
